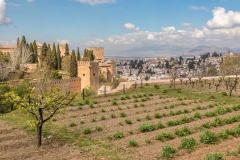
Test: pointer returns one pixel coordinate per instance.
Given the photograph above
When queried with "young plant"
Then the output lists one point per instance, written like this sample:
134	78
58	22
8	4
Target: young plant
188	143
72	124
86	131
128	121
215	156
168	151
118	134
122	114
208	137
133	143
98	128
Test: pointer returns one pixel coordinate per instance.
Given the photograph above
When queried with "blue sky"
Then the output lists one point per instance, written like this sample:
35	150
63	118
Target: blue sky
122	24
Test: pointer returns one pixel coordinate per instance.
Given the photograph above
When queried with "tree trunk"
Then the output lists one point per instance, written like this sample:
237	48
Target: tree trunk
39	134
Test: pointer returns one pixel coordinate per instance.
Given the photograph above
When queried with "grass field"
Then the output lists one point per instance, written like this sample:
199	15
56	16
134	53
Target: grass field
147	123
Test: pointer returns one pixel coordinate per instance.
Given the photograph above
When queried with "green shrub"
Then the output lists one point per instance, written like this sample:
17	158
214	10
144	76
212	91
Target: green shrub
128	121
114	102
102	110
165	91
113	115
160	137
54	119
130	132
197	115
188	144
147	127
215	156
135	105
224	93
142	105
120	123
98	128
82	121
80	104
91	105
87	101
156	86
93	120
86	131
147	140
127	97
122	98
223	134
208	137
94	102
103	117
118	134
138	119
72	124
133	143
157	115
122	114
231	153
168	151
148	117
160	125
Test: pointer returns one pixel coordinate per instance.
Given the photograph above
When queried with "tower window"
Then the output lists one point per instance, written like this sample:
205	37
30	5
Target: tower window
84	74
93	74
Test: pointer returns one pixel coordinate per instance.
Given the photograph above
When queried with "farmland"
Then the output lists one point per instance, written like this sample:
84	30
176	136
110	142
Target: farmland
150	122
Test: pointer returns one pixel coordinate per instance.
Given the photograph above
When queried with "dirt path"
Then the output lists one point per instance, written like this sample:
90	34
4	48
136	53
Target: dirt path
16	144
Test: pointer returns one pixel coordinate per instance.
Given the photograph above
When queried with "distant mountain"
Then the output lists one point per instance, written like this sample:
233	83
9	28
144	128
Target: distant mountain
205	49
149	51
168	51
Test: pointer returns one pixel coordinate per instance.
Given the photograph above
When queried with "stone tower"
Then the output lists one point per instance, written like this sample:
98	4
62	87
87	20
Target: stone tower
98	53
89	73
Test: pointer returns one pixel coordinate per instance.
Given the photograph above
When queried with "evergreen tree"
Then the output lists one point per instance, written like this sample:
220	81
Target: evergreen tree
85	53
35	52
44	52
18	42
31	58
73	65
78	54
66	50
59	59
54	58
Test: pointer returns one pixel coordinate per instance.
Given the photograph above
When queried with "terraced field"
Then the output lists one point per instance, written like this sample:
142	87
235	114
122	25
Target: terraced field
154	123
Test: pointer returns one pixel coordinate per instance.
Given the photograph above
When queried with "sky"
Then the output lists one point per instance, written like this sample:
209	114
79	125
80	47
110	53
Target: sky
122	24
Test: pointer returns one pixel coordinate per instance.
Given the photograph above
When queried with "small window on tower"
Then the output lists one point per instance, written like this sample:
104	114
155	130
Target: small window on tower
84	74
93	74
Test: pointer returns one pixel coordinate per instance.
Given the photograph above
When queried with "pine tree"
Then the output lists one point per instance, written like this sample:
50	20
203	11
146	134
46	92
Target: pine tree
73	65
66	50
59	59
78	54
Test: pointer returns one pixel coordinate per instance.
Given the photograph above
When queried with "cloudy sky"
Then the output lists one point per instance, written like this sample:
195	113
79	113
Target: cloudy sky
122	24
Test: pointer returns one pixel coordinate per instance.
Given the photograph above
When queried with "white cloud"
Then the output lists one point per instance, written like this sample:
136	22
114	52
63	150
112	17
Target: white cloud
130	26
63	41
150	36
30	0
94	2
186	24
223	19
198	8
4	20
168	29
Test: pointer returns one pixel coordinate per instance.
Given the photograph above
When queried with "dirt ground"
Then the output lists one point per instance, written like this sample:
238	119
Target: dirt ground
16	144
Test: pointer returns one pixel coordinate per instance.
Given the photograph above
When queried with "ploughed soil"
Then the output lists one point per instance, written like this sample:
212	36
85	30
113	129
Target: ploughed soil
136	112
16	144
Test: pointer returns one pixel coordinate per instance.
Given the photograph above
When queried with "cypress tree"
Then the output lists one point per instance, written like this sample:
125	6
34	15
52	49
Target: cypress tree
18	42
66	50
54	57
73	65
78	54
35	52
59	60
43	54
31	58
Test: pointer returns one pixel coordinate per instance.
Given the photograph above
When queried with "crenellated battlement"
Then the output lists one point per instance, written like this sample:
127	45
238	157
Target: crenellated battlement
87	63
